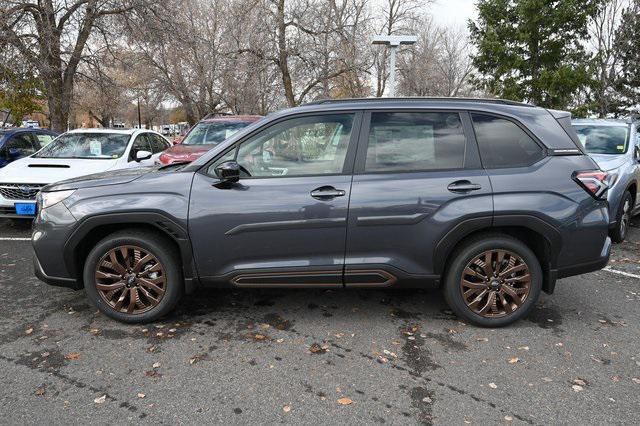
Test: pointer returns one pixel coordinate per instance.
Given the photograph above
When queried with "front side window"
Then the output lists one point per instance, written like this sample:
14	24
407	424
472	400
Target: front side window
314	145
141	143
158	144
19	146
503	143
213	133
86	145
415	141
599	139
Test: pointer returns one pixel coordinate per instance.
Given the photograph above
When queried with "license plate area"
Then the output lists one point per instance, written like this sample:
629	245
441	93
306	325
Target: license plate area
25	209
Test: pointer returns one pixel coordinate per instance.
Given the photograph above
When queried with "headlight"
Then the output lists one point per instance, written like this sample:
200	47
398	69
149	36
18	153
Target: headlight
611	178
48	199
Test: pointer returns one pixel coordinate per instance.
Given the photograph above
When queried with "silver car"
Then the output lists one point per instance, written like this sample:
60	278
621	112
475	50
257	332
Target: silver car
615	146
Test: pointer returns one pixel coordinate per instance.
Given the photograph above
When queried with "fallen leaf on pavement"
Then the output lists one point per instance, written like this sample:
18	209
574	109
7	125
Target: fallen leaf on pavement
636	380
72	355
508	418
493	385
579	382
141	395
156	365
345	401
577	388
40	391
28	331
315	348
514	360
101	399
286	408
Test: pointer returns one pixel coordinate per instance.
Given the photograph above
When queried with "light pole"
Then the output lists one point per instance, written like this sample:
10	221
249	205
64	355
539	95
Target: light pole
394	42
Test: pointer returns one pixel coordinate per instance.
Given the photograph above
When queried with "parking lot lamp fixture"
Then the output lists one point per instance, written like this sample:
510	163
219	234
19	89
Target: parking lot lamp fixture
393	42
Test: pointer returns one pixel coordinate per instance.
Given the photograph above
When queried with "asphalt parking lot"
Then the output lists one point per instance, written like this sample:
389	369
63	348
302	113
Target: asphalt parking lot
338	357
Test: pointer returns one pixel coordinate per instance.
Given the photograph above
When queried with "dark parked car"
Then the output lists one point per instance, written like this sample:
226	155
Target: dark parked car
19	142
491	200
205	135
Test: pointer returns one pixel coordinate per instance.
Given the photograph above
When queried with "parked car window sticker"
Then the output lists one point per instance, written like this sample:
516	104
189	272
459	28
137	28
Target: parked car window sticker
415	141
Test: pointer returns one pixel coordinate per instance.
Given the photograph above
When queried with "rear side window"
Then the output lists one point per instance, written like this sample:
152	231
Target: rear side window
503	143
415	141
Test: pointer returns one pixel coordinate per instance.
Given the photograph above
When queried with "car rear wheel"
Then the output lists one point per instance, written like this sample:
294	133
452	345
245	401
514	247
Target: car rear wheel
133	276
623	218
493	281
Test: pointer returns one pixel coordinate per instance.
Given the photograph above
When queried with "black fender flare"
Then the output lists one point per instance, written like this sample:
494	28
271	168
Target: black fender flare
457	233
165	224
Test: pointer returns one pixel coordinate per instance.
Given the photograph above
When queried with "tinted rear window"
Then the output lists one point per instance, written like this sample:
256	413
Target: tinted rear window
503	143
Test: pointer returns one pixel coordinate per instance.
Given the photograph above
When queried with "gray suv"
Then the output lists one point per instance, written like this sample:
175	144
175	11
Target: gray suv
615	147
490	200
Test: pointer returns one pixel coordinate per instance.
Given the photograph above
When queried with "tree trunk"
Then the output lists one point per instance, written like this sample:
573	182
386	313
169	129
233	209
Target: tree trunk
58	102
283	56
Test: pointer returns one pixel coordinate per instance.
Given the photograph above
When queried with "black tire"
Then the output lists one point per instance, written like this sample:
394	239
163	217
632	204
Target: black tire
156	245
469	251
623	219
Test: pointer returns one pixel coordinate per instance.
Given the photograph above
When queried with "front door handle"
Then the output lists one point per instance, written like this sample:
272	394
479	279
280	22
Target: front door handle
325	192
463	186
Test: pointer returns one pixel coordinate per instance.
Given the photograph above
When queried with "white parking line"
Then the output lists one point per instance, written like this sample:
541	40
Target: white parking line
626	274
14	239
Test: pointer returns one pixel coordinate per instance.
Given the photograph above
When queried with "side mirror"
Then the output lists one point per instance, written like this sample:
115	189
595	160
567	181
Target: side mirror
229	171
143	155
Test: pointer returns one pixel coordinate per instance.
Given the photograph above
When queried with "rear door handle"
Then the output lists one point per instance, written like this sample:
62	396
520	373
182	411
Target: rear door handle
325	192
463	186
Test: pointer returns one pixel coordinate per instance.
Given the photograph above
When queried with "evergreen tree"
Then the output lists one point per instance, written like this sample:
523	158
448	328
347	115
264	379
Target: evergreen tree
628	50
531	50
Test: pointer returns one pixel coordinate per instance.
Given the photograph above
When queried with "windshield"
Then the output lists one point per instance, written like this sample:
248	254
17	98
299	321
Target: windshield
598	139
86	145
213	133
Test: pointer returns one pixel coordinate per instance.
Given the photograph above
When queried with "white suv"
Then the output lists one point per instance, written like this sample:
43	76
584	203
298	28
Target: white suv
73	154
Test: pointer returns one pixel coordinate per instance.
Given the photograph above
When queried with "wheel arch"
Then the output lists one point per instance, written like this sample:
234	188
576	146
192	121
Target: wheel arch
541	237
93	229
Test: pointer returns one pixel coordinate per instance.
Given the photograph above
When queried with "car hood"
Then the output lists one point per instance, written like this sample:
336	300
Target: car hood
187	151
609	162
50	170
113	177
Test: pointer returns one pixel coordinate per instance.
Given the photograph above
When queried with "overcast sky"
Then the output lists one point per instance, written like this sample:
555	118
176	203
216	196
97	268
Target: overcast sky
455	12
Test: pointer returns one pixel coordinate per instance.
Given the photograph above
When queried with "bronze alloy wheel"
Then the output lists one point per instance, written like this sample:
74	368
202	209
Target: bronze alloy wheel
130	279
495	283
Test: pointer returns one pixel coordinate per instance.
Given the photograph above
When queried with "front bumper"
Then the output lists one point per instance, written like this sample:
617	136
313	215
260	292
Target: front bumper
55	281
51	229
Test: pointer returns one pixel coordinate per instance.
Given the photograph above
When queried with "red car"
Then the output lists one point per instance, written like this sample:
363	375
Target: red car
208	133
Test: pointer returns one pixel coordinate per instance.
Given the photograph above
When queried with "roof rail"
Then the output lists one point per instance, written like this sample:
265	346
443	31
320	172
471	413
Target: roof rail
418	99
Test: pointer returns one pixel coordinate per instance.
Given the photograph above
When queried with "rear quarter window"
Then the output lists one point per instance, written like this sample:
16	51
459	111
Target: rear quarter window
503	143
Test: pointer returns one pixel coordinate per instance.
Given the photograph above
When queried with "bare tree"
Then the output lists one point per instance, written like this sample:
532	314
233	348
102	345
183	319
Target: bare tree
602	29
52	36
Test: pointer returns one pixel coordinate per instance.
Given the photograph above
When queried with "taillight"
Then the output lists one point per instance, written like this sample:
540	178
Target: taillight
595	182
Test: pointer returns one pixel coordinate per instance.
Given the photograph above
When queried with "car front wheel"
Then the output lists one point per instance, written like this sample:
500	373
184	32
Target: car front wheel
133	276
623	218
493	281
